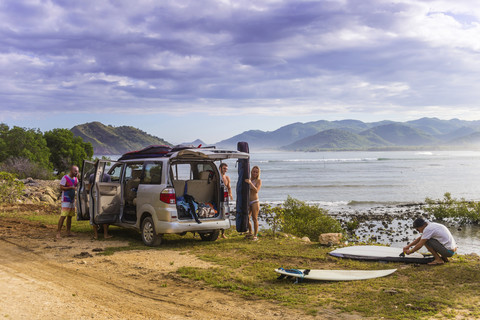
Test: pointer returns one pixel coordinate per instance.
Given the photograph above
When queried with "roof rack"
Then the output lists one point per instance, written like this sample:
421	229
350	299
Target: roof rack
153	151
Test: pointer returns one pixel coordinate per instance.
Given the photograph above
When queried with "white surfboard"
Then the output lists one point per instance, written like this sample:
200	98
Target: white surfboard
335	275
379	253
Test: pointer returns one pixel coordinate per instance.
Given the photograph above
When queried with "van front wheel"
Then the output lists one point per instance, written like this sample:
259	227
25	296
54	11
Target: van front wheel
210	236
149	236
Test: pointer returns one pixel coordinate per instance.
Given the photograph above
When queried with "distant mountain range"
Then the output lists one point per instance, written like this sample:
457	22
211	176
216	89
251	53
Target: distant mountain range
107	140
358	135
311	136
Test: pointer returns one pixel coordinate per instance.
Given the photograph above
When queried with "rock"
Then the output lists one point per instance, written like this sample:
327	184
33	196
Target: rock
51	193
46	198
330	238
83	254
306	239
390	291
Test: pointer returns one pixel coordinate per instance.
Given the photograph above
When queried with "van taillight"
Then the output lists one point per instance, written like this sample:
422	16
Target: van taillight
168	196
225	195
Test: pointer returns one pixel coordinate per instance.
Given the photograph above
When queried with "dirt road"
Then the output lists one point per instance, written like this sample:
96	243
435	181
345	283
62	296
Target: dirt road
42	278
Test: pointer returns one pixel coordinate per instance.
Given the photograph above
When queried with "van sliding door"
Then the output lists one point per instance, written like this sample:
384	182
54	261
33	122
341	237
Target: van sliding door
107	192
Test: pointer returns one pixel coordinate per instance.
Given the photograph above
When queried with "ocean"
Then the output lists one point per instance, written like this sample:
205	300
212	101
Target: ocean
352	182
367	178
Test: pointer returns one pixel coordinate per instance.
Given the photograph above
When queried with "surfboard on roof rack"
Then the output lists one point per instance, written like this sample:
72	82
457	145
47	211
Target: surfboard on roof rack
153	151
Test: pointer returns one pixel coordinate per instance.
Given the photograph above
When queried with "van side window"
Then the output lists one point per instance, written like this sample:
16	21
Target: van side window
133	171
153	173
115	172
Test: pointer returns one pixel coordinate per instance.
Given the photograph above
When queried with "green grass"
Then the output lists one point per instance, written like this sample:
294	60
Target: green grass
246	268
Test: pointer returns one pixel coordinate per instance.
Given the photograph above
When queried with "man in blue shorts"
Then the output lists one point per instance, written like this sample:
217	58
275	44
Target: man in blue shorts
68	185
436	238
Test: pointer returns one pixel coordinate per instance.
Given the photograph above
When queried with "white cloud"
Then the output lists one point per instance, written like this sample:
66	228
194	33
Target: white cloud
252	57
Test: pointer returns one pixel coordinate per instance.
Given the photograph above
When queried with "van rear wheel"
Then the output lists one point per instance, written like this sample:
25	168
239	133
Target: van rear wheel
210	236
149	236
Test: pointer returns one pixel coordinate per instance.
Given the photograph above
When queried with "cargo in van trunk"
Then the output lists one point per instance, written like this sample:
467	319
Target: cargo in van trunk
203	186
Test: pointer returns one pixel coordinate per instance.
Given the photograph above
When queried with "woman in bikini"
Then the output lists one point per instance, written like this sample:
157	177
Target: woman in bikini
255	185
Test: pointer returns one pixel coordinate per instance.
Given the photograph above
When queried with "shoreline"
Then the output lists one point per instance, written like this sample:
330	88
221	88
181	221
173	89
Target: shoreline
388	224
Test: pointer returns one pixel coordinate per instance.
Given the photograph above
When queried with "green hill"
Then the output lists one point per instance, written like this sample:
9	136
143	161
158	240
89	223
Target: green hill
108	140
401	135
332	139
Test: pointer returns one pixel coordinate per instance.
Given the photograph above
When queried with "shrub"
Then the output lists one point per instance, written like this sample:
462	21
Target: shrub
274	216
10	188
302	219
461	210
24	168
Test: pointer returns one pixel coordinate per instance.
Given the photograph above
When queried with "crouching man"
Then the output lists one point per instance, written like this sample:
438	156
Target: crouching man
436	238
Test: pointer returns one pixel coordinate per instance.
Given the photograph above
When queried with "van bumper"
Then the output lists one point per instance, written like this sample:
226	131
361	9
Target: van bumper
178	227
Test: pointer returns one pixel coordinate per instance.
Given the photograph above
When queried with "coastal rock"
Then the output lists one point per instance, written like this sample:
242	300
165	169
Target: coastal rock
330	239
51	193
306	239
46	198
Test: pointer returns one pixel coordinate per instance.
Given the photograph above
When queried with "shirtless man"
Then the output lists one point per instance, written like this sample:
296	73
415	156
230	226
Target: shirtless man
255	184
226	182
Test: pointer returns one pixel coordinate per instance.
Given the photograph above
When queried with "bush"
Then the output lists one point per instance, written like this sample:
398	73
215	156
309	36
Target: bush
460	210
302	220
24	168
10	188
274	216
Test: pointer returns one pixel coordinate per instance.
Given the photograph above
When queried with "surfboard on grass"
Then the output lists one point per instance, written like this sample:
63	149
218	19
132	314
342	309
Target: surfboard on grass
379	253
333	275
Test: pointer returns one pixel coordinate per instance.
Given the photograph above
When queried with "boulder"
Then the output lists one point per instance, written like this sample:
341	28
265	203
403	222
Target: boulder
330	239
306	239
50	192
46	198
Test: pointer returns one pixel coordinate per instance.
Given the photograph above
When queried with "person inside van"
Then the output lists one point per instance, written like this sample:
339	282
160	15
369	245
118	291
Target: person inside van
255	184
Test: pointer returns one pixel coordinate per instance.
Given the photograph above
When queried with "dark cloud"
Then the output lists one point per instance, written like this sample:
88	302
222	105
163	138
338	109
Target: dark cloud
135	55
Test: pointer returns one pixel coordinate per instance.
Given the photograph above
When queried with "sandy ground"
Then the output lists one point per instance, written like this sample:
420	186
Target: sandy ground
42	278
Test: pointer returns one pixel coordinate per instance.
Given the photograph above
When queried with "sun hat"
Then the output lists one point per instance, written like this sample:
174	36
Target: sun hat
418	223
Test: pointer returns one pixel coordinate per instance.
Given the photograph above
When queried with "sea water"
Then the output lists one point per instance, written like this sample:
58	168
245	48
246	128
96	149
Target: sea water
343	181
370	178
372	181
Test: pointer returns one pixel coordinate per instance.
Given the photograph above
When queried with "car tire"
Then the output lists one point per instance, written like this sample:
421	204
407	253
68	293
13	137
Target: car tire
149	236
210	236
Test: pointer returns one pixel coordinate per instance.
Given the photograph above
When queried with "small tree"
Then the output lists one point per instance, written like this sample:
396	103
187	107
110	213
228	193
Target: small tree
10	188
66	149
274	216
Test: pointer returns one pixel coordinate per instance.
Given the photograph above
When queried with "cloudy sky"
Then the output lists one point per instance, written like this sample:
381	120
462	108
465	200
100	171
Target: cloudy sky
211	69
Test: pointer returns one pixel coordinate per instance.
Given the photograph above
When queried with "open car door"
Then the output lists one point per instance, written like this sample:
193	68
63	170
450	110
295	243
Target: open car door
107	192
83	195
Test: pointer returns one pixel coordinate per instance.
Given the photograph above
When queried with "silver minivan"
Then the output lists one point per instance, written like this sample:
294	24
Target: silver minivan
177	192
